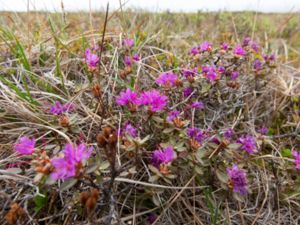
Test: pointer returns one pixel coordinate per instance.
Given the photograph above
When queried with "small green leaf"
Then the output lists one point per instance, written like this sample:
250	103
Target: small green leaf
156	200
168	130
198	170
92	168
286	152
234	146
157	119
68	184
238	197
171	176
153	169
153	178
222	176
143	141
40	201
199	155
104	165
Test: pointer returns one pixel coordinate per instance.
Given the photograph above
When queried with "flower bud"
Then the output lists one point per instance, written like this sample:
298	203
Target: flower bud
95	193
64	121
15	214
112	140
101	140
97	91
107	131
90	204
84	197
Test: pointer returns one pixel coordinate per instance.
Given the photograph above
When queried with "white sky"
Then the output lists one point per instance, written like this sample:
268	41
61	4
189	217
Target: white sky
157	5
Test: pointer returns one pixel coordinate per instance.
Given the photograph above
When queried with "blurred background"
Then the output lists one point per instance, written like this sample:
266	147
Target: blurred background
155	5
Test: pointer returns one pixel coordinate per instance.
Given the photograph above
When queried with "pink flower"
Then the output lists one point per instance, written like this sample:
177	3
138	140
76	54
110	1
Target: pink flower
73	156
234	75
187	91
63	168
221	69
269	58
197	105
246	41
189	72
91	59
164	156
25	146
154	100
238	179
127	97
127	61
167	79
205	47
172	115
136	57
258	65
239	51
225	46
205	69
228	133
77	153
255	46
130	130
195	50
248	143
127	42
210	73
58	108
197	134
263	130
297	158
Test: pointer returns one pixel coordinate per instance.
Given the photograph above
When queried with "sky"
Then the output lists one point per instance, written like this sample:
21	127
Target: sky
156	5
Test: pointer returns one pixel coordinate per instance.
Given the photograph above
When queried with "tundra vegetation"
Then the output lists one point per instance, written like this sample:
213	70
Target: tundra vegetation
131	117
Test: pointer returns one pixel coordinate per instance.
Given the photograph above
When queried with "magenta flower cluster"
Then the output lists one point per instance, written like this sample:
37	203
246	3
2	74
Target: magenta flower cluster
91	59
248	143
128	42
164	156
225	46
239	51
228	133
58	108
210	73
296	155
263	130
172	115
128	60
73	156
234	75
248	42
203	47
238	179
167	79
189	72
152	99
127	97
25	146
130	130
187	91
197	105
197	134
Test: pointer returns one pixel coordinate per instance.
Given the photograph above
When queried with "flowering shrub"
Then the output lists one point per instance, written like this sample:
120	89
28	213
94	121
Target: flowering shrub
158	120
